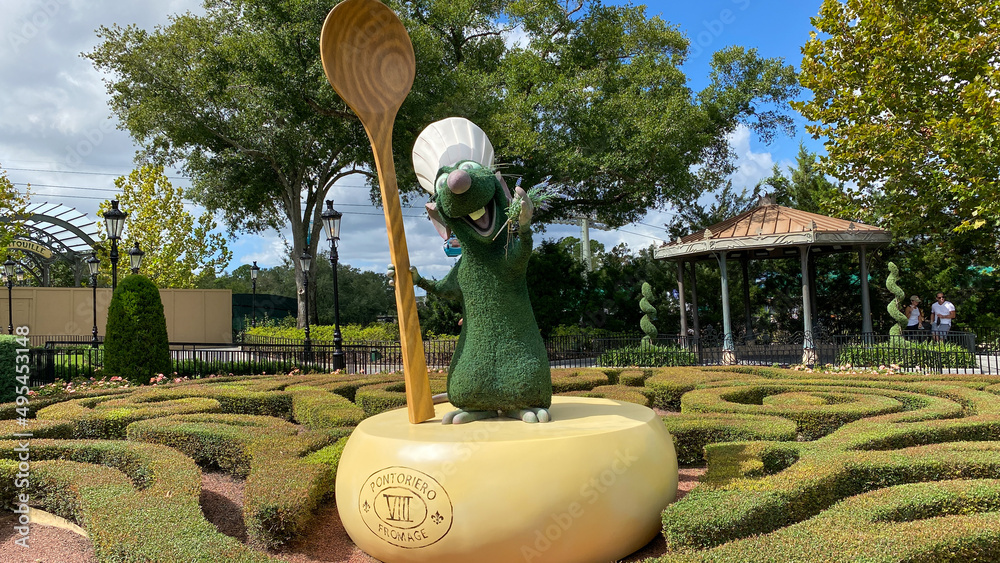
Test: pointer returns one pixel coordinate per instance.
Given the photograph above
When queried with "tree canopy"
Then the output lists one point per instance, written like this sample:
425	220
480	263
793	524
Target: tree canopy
179	248
593	96
907	95
12	203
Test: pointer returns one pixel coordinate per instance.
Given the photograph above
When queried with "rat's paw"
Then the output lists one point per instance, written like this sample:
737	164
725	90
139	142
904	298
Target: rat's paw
461	416
391	274
530	415
527	209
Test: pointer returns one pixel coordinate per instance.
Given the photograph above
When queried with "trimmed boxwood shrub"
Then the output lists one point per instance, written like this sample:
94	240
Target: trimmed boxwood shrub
8	373
908	354
616	392
138	502
282	489
648	355
136	347
565	380
382	397
317	408
692	432
108	417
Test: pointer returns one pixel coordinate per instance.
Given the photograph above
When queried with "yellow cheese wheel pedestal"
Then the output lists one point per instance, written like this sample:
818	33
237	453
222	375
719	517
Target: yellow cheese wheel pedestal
588	486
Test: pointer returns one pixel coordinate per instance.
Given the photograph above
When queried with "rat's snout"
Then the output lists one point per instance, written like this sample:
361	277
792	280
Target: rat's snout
459	181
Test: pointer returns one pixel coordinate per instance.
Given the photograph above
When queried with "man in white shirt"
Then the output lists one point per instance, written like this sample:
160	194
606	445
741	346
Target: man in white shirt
942	313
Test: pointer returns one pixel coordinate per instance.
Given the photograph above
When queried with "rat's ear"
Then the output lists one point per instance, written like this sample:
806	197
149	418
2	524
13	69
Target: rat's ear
437	220
506	190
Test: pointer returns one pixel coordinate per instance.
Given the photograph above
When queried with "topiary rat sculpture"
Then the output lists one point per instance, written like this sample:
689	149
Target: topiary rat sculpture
500	363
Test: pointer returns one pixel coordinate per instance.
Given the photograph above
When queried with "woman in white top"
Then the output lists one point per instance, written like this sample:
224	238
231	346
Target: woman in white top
913	313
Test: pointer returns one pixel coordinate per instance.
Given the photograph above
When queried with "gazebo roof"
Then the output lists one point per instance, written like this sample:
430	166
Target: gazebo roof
774	231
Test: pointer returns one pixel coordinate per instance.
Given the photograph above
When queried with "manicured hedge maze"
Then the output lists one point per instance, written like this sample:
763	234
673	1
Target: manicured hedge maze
802	466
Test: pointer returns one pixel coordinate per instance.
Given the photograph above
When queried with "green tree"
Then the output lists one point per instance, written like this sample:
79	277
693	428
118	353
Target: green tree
906	95
556	286
180	249
239	97
13	204
136	345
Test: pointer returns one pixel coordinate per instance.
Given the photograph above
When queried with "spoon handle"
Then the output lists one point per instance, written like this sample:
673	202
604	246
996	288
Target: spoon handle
419	403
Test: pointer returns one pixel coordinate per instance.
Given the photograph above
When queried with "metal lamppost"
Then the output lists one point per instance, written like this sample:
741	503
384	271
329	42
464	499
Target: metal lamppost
8	273
135	255
331	223
306	261
114	222
254	270
94	263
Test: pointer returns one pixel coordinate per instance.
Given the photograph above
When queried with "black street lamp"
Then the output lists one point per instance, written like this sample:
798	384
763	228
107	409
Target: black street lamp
8	274
331	223
94	263
306	261
135	255
254	270
114	222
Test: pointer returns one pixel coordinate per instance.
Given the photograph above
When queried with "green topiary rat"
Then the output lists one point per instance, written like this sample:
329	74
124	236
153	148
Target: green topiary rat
500	363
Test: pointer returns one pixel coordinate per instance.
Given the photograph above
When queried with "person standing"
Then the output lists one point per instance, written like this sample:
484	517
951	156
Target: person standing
915	317
942	315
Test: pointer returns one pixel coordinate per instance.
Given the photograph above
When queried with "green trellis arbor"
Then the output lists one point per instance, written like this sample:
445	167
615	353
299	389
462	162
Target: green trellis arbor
51	233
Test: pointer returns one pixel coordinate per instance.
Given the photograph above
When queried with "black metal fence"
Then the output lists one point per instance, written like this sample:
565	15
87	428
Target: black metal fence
975	350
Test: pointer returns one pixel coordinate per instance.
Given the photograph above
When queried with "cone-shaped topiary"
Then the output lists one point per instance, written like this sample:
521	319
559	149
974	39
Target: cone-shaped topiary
136	346
893	307
646	322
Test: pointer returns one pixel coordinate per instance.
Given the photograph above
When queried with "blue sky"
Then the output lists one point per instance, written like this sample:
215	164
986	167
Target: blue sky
55	131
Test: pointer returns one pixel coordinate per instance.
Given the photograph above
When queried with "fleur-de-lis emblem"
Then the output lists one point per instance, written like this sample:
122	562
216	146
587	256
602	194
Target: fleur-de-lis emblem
437	518
367	506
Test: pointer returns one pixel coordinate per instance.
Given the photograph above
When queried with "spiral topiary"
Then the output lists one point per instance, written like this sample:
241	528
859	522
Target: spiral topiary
893	307
136	347
649	314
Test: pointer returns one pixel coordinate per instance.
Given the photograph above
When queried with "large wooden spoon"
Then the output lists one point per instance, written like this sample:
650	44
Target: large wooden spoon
368	58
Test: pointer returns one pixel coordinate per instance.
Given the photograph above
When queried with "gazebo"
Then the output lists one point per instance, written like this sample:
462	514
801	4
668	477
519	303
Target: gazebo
768	232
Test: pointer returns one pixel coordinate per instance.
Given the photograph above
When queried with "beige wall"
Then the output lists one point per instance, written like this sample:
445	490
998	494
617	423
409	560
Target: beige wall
193	315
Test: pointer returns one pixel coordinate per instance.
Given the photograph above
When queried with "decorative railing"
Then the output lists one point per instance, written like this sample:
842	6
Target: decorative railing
975	350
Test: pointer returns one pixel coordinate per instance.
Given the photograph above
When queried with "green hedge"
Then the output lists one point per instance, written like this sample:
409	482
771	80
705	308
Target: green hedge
565	380
929	522
908	354
317	408
692	432
616	392
8	373
818	410
282	490
648	355
138	502
108	417
382	397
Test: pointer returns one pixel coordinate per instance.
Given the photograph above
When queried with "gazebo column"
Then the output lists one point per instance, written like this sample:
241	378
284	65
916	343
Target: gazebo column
812	286
728	349
866	306
682	304
808	345
748	335
696	321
